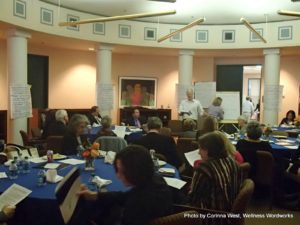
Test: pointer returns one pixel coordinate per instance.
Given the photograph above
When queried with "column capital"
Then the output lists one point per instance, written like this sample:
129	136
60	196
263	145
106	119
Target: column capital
186	52
109	47
271	51
17	33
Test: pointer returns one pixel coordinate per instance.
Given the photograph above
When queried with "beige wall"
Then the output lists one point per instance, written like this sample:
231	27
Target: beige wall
3	76
72	76
290	78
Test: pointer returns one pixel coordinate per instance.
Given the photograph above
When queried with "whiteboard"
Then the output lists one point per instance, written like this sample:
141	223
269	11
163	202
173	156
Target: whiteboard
205	92
230	104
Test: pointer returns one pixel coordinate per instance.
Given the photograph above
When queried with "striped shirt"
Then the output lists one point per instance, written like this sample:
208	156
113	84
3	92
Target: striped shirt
215	184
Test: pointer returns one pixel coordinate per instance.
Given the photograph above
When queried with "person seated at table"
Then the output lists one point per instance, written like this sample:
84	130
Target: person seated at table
94	116
6	213
135	120
148	198
106	127
217	180
189	128
215	109
230	148
289	118
162	144
209	124
49	119
59	127
73	139
250	145
242	124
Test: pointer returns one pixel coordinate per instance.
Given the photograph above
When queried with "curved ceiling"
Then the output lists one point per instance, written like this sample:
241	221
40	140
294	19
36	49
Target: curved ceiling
215	11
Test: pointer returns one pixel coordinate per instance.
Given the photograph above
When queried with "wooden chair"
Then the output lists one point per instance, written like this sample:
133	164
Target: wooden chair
245	167
239	207
175	126
36	133
178	219
264	176
55	143
31	142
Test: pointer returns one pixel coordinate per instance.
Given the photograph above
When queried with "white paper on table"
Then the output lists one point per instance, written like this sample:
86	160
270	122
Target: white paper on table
3	175
25	153
110	157
120	131
69	201
72	161
167	170
37	160
34	153
174	182
13	195
51	165
192	156
136	129
292	147
57	179
101	182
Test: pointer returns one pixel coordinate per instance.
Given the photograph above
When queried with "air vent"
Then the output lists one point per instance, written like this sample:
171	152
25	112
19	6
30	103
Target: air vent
254	37
20	9
124	31
46	16
99	28
71	18
285	33
202	36
150	33
177	37
228	36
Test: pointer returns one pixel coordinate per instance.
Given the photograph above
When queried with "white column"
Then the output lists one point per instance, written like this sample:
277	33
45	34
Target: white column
271	77
104	64
185	67
17	74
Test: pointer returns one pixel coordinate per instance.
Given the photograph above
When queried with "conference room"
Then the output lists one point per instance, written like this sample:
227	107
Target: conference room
128	69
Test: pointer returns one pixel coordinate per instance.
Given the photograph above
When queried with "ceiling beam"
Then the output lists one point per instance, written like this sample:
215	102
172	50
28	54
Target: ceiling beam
251	28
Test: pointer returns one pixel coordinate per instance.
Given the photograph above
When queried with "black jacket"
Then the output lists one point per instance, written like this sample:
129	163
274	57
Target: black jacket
57	129
141	204
70	143
161	144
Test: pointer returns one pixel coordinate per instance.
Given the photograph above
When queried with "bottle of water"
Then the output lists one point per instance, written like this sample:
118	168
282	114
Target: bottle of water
13	170
18	163
41	179
154	159
80	150
26	165
91	183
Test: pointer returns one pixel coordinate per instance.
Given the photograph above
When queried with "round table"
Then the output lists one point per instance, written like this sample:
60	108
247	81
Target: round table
41	207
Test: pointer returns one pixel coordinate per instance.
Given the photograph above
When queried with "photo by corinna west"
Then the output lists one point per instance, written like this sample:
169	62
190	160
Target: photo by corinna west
137	91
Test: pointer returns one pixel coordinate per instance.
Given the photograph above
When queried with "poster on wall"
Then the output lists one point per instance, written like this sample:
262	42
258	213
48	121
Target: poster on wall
205	92
105	99
137	91
20	101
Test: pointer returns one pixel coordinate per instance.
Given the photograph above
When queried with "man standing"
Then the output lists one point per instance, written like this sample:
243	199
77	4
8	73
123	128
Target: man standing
247	108
190	107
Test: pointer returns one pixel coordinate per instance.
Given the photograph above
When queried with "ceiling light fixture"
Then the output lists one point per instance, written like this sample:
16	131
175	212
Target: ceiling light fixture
194	23
251	28
288	13
113	18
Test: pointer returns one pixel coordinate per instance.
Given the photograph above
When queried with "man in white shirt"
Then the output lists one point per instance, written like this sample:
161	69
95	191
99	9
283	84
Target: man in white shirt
190	107
248	108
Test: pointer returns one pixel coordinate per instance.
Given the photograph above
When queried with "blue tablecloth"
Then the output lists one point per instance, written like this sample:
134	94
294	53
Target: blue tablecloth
40	207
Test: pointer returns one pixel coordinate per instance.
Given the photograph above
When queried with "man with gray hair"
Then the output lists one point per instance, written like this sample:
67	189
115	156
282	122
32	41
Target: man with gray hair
58	128
162	144
190	107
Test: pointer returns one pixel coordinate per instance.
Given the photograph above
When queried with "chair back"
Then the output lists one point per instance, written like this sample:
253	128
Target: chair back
186	145
243	198
36	132
280	133
178	219
264	168
108	143
175	126
245	168
165	131
55	143
25	138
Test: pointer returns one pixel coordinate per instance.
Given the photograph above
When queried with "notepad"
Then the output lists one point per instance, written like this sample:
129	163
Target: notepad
174	182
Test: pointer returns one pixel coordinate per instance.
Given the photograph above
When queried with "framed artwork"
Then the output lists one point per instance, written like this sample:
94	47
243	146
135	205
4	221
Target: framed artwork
137	91
46	16
228	36
285	33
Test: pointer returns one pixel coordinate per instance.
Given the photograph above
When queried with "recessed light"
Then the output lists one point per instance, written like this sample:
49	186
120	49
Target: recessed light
91	49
